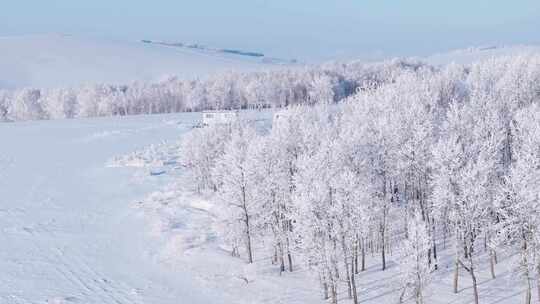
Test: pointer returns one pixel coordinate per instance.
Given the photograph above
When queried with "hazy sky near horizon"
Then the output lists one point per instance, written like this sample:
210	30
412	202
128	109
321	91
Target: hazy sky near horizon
305	29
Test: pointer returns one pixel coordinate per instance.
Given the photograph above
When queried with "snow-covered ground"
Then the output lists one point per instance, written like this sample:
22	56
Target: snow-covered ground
97	211
68	233
59	61
56	60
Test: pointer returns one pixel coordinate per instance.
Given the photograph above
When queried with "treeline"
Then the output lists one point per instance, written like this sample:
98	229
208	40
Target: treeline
434	156
226	91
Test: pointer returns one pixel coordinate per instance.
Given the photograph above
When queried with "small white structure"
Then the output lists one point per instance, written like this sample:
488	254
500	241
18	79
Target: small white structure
219	117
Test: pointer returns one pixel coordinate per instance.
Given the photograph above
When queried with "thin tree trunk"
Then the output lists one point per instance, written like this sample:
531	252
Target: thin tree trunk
347	272
383	255
434	244
491	263
248	236
383	226
349	280
538	282
445	234
402	294
456	272
528	293
354	291
289	258
248	229
333	291
419	299
475	285
289	255
334	294
363	256
281	259
355	256
275	257
324	284
336	270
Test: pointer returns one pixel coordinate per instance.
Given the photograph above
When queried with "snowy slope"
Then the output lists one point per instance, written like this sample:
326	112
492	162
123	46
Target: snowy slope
67	226
60	61
470	55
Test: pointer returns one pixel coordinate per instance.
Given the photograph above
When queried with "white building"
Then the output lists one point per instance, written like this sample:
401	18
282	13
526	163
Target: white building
219	117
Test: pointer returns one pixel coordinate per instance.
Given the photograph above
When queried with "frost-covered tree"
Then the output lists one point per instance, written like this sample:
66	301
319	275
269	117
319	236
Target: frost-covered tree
465	181
317	220
520	201
414	266
87	99
321	90
276	88
199	151
317	209
272	184
59	103
235	186
26	105
4	105
414	153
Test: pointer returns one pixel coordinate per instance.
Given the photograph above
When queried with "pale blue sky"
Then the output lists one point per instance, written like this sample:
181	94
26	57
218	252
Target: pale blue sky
305	29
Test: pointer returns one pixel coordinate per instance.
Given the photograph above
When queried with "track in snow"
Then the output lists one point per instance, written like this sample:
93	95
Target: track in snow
67	230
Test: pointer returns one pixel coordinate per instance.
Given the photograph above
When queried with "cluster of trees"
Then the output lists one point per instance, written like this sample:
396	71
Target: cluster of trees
397	168
227	91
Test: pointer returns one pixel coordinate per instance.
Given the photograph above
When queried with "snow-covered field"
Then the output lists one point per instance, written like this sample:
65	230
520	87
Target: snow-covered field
62	61
68	233
56	60
97	211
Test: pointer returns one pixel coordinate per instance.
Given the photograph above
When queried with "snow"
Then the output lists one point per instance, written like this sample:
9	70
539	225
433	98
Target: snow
67	229
185	222
83	220
74	227
55	60
473	54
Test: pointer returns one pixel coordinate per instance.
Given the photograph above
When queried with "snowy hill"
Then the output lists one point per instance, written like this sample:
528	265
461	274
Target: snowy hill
56	60
472	54
60	61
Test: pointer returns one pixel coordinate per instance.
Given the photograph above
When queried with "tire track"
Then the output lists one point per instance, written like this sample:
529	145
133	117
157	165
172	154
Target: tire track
108	286
84	290
91	279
